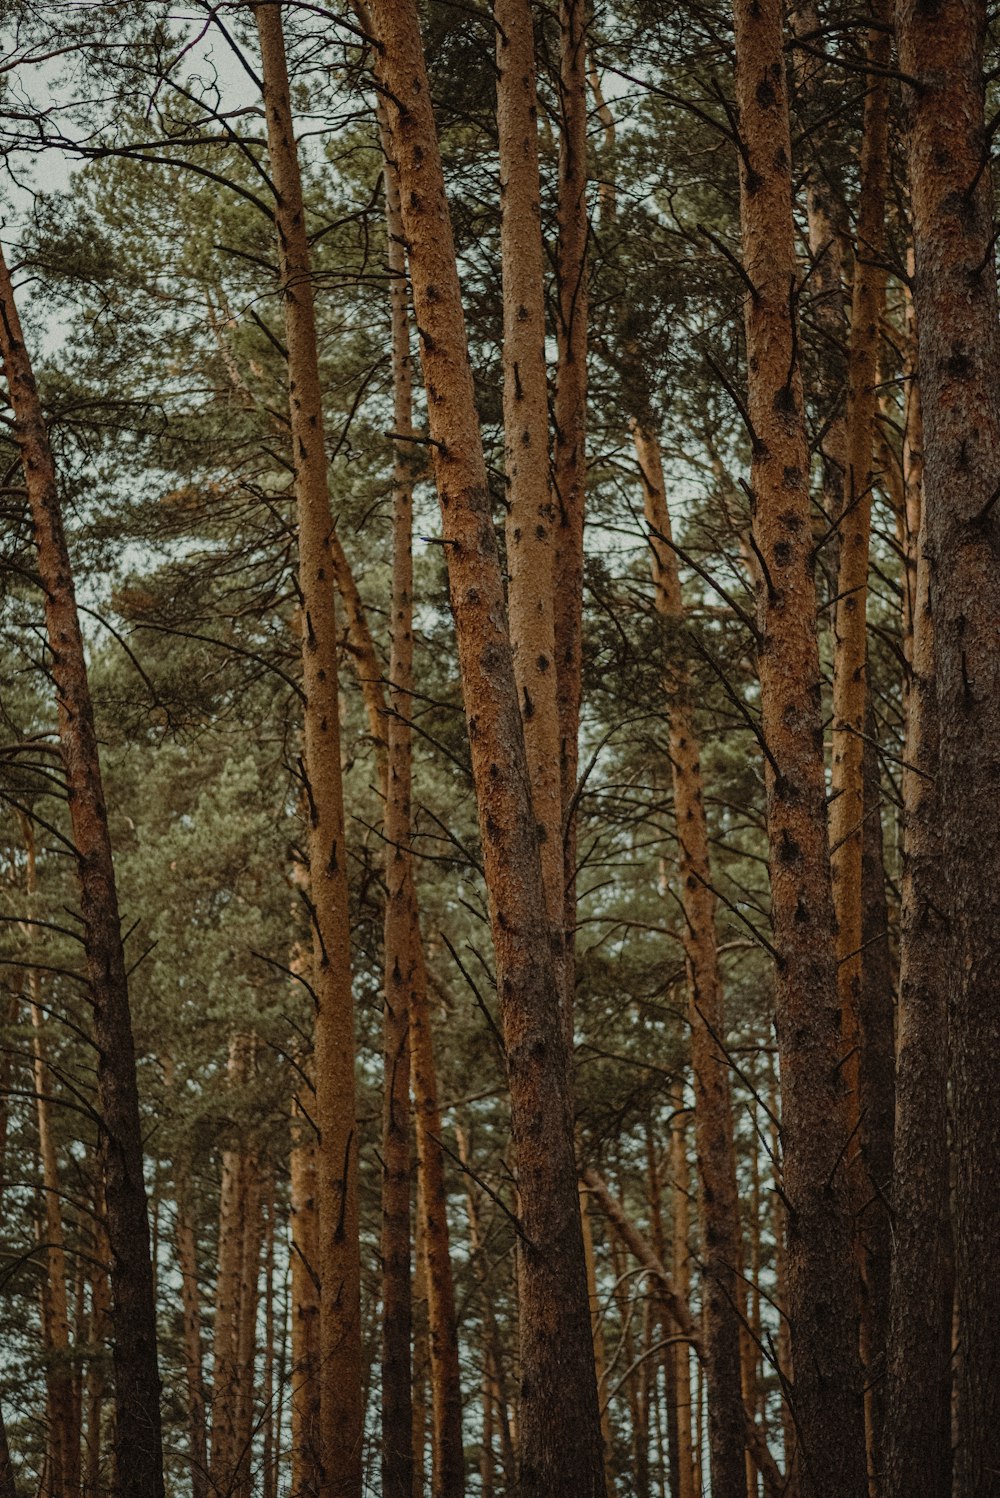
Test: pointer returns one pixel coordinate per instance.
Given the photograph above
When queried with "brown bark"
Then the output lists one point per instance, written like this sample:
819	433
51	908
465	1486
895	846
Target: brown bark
597	1329
252	1238
850	825
955	298
827	233
530	514
271	1417
233	1205
138	1439
402	962
304	1371
569	456
94	1485
821	1272
340	1364
918	1361
713	1118
560	1445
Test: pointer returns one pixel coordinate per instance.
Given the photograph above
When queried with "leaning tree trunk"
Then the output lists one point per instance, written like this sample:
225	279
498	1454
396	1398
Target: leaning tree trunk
941	48
138	1440
340	1355
823	1309
559	1423
722	1288
569	456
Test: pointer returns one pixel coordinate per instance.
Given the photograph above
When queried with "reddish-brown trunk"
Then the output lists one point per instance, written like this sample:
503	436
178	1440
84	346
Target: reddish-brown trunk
560	1444
822	1276
138	1441
341	1375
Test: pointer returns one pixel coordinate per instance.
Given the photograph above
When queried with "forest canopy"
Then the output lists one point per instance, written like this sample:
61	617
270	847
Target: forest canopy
499	749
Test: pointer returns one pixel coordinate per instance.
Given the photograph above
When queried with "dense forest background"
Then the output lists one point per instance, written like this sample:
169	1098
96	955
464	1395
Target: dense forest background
629	1236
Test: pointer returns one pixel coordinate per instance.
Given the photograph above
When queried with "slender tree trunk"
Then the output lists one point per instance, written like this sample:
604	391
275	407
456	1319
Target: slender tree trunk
827	237
340	1360
232	1211
402	960
560	1444
713	1115
918	1362
94	1485
955	298
304	1373
139	1449
252	1239
597	1328
679	1354
271	1406
821	1270
849	819
187	1263
569	458
63	1436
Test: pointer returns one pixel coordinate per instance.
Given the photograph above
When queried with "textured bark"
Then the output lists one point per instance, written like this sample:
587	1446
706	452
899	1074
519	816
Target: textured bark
138	1440
252	1239
560	1445
187	1263
918	1361
271	1415
955	298
304	1371
822	1274
569	456
530	515
340	1362
827	234
850	824
718	1202
402	961
94	1484
877	1080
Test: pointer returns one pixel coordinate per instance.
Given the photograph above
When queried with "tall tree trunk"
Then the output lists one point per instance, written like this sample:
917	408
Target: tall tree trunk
849	819
918	1361
304	1254
713	1115
955	298
680	1354
403	968
821	1270
569	458
187	1263
827	235
252	1239
138	1440
226	1328
560	1443
529	526
340	1361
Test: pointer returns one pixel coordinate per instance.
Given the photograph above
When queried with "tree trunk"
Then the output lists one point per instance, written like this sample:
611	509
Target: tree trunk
304	1373
403	968
560	1444
850	826
530	514
821	1270
918	1361
713	1115
955	299
138	1440
569	457
187	1263
679	1354
340	1356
